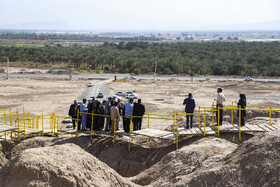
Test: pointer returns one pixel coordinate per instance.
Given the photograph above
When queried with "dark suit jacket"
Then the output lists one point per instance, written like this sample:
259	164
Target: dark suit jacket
138	109
72	111
190	105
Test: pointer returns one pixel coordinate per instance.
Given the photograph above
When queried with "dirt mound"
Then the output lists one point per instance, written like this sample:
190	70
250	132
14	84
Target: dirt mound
177	166
31	143
126	163
254	163
60	165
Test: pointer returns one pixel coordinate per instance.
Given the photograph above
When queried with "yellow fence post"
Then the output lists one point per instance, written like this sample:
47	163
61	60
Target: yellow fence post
232	113
24	129
18	125
130	126
218	120
177	134
114	128
23	114
54	123
57	126
173	122
10	116
37	123
199	117
204	121
91	128
213	115
28	115
33	123
239	112
51	124
270	115
78	114
148	120
149	127
5	117
42	124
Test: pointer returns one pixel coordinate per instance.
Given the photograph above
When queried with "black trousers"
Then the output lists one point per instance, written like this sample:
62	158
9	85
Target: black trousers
242	117
74	122
221	115
79	122
137	124
126	123
189	116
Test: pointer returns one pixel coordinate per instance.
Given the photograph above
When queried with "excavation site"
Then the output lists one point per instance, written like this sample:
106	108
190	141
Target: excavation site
43	144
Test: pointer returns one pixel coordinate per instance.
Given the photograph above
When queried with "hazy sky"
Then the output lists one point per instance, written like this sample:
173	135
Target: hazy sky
139	14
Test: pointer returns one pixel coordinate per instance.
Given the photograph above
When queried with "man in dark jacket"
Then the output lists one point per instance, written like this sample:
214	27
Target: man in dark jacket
138	110
91	108
190	105
73	113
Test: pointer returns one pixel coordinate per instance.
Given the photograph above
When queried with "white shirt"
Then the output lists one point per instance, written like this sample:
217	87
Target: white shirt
83	107
220	98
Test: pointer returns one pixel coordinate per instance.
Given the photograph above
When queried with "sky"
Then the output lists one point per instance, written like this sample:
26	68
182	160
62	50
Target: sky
116	15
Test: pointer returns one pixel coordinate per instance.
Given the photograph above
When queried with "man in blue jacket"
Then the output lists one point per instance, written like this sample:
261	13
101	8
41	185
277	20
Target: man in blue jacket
190	105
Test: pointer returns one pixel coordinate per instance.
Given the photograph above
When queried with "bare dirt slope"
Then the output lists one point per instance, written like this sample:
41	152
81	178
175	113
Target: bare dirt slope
60	165
209	161
254	163
178	166
215	162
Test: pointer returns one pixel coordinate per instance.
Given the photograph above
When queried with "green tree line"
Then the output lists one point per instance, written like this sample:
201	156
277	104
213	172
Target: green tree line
211	58
75	37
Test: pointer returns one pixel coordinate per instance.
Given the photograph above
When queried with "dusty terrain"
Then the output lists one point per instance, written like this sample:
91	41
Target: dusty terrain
47	96
209	161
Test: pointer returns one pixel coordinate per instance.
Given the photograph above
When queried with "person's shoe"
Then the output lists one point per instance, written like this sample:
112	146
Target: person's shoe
107	130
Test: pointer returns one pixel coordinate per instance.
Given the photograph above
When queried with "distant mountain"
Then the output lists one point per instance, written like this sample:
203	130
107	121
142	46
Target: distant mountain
47	25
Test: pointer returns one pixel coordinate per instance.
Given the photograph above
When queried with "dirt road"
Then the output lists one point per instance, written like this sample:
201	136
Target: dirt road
98	86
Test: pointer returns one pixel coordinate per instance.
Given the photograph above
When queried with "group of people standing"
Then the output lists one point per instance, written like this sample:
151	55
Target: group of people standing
190	106
113	109
107	114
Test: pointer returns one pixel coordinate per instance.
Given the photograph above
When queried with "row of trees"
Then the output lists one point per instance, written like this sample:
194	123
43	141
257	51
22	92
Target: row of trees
79	37
213	58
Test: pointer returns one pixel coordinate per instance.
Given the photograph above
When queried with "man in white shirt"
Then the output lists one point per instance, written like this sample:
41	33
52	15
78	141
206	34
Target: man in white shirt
84	116
219	103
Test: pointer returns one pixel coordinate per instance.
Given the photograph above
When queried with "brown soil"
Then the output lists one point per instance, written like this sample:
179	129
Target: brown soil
60	165
254	163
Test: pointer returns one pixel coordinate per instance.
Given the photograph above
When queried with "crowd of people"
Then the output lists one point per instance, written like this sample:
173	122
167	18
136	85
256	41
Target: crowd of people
190	106
107	114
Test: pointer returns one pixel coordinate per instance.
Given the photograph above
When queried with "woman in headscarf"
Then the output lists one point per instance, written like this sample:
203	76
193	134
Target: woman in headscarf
242	103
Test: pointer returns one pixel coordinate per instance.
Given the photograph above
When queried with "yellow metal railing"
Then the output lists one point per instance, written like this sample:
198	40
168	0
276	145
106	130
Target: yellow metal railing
24	120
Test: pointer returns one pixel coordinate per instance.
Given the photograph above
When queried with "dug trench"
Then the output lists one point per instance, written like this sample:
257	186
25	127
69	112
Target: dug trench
116	155
199	161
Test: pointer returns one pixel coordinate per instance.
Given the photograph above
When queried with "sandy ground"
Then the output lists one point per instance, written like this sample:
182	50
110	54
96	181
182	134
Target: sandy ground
164	97
191	165
47	96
